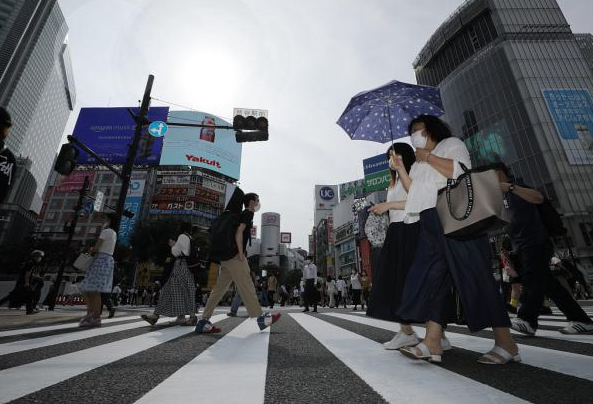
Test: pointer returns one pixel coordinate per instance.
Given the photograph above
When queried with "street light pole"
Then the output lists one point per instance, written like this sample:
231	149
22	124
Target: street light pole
141	119
53	294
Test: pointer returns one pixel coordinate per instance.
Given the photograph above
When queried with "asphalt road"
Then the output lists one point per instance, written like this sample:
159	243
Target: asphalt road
333	356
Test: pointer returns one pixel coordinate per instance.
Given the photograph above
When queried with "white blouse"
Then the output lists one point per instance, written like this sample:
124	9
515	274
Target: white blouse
182	245
395	194
426	181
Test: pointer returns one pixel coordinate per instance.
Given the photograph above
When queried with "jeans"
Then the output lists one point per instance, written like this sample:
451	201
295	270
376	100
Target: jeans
236	303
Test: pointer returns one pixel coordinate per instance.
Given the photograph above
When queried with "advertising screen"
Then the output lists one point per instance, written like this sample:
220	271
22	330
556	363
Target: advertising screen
209	148
491	144
355	188
133	204
74	181
109	132
572	113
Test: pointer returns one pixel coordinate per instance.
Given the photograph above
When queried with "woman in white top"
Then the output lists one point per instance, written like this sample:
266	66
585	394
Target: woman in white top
397	253
332	291
442	262
99	277
178	294
356	288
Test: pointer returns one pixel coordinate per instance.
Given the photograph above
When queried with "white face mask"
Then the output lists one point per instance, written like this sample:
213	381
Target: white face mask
418	141
257	207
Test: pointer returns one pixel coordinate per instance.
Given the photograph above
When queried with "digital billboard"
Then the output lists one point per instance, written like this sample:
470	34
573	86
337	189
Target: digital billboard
572	113
491	144
208	148
109	132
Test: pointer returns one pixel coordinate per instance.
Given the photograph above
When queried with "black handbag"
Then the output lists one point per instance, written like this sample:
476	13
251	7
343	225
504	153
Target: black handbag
473	204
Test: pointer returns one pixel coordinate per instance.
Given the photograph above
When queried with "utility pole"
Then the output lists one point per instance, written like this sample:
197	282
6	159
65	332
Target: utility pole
53	294
141	120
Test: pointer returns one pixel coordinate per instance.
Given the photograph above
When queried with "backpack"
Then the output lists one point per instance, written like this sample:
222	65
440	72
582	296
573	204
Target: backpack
551	219
193	259
223	246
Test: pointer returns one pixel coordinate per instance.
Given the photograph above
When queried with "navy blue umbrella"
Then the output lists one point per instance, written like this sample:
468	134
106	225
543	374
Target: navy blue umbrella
383	114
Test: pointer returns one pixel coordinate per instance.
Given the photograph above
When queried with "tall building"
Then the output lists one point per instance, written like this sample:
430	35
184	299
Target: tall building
516	87
36	82
585	42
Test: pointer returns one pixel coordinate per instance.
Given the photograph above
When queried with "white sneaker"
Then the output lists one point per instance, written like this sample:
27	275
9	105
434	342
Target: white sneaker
518	324
576	327
401	340
446	344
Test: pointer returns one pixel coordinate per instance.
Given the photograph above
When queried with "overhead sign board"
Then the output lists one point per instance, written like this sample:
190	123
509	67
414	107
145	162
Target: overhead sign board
376	173
250	112
99	201
286	238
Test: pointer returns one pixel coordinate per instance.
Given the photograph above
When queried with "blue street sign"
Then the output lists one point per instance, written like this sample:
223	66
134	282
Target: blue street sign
158	128
89	207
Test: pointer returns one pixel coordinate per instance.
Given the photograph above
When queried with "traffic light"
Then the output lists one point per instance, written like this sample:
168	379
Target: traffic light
66	160
250	129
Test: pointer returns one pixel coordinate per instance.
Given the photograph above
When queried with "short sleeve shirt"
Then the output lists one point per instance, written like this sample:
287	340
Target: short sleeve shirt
246	218
526	228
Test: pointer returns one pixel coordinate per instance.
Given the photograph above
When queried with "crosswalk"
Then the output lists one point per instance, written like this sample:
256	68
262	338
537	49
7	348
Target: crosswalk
333	356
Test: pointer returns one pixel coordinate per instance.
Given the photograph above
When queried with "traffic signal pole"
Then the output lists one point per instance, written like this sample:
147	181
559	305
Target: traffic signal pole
141	119
53	293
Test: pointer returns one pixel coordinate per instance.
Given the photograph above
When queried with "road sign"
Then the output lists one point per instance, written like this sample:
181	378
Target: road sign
89	207
99	201
158	128
250	112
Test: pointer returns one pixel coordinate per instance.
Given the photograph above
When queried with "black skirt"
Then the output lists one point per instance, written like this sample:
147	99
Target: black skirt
442	263
390	274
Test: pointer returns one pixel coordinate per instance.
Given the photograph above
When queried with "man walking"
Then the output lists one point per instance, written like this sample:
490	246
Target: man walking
341	286
7	159
237	269
272	289
534	250
310	278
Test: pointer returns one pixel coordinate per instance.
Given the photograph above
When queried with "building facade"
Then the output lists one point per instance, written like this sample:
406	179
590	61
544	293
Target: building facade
516	88
36	82
585	42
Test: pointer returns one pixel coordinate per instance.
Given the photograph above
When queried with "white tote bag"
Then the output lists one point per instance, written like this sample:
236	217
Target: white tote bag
83	262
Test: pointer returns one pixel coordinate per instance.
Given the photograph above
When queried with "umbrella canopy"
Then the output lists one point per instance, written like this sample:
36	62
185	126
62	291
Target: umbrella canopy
383	114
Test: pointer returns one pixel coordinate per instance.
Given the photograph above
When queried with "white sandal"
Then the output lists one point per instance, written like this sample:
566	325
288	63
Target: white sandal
494	357
425	354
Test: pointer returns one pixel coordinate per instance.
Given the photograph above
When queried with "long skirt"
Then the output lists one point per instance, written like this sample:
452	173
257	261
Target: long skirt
178	295
99	276
389	277
441	263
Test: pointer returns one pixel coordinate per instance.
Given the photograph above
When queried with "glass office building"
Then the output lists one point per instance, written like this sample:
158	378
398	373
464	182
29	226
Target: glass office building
517	87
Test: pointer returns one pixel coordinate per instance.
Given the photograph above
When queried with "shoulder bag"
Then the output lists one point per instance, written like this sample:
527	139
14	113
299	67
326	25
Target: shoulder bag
473	204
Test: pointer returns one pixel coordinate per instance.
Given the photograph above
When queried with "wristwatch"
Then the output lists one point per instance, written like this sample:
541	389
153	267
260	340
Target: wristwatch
512	188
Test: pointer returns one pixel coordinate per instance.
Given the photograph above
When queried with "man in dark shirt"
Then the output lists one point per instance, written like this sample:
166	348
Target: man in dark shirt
534	250
237	270
7	159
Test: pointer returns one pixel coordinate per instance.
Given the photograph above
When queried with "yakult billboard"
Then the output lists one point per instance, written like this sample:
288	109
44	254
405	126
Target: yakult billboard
209	148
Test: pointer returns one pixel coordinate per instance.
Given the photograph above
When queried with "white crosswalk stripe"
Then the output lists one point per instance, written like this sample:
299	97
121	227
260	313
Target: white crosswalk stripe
235	367
557	361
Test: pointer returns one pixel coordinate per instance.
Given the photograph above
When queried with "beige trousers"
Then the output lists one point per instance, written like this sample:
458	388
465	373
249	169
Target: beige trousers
236	271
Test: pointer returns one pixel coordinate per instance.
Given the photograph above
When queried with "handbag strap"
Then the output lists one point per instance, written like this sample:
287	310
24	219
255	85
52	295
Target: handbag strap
470	194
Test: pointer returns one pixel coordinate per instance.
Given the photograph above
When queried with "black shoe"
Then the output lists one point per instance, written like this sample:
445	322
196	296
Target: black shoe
111	313
511	309
305	311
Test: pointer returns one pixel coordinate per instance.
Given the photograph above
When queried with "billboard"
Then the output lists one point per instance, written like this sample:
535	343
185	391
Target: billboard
208	148
286	238
376	173
572	113
326	197
133	204
74	181
491	144
109	132
355	188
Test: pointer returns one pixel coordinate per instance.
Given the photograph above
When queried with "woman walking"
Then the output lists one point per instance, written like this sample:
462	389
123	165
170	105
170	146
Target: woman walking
332	291
442	262
397	253
99	277
178	295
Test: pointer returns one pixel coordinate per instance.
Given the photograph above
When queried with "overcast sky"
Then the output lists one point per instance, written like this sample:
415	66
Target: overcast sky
302	60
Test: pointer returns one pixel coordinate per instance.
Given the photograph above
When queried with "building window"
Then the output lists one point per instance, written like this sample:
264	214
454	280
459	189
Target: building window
56	204
587	232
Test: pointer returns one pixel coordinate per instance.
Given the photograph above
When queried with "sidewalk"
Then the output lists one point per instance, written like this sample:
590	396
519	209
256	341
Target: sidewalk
13	318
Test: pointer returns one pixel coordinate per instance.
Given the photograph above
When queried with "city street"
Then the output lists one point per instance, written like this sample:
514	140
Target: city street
328	357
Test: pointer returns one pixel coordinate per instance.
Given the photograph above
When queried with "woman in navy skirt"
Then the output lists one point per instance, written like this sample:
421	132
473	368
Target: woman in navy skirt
397	253
442	262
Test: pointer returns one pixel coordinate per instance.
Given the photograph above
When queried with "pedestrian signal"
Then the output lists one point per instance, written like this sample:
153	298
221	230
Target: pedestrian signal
66	161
